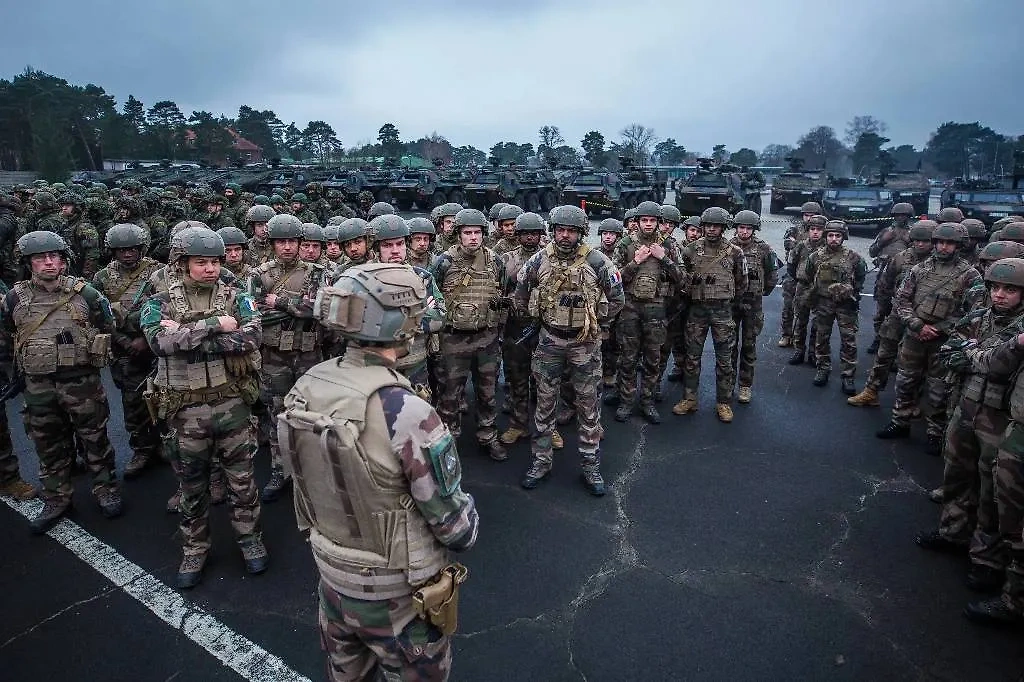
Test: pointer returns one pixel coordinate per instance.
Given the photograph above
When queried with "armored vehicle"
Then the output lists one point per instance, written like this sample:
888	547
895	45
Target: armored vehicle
985	200
429	188
377	181
532	189
797	185
725	186
846	200
907	186
604	191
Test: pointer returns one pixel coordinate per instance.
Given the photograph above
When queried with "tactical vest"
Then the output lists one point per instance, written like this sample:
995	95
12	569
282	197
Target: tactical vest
259	252
369	541
291	335
981	387
193	371
514	262
649	284
901	241
834	268
65	339
935	295
121	287
754	256
713	278
567	295
468	287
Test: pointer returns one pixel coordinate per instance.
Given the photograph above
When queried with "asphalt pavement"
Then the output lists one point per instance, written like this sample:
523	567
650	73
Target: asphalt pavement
778	547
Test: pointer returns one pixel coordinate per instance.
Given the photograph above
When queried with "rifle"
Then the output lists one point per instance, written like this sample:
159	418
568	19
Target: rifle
13	387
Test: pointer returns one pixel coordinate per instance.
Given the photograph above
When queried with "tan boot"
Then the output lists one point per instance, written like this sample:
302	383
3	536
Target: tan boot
785	341
688	405
744	394
19	490
556	441
511	435
866	398
724	412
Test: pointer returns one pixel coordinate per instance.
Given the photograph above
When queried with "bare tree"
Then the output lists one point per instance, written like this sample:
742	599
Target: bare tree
637	142
863	124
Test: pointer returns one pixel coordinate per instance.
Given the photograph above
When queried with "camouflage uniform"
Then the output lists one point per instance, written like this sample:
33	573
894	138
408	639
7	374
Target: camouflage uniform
762	276
609	340
10	475
10	268
800	302
407	468
836	277
795	234
1009	487
258	251
517	357
84	240
889	242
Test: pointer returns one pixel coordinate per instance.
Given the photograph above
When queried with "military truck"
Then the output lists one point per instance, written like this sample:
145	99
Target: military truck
604	191
906	186
427	188
644	179
797	185
377	181
532	189
986	200
847	200
726	186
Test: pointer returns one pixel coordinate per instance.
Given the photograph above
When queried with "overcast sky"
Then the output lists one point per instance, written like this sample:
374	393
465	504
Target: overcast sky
713	71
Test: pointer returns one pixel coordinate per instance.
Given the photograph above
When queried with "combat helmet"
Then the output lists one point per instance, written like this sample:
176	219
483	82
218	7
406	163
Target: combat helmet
948	232
377	303
901	208
380	208
811	207
746	217
495	210
610	225
233	236
837	226
629	214
284	226
994	251
715	215
950	214
976	229
388	227
201	241
299	198
817	220
1013	232
421	226
471	217
45	201
72	199
648	209
921	231
311	232
671	214
529	222
509	212
692	221
261	200
127	236
336	220
352	228
1007	271
42	241
570	216
331	232
259	214
449	210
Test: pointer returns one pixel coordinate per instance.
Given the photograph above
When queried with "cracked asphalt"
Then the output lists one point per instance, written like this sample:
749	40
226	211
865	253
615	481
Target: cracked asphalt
777	547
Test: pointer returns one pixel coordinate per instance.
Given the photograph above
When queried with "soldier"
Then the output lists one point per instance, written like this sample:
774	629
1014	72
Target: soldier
630	222
353	235
283	289
493	216
380	208
507	229
129	209
256	220
562	286
717	272
120	281
311	246
332	244
280	206
977	236
800	302
47	216
609	232
317	204
10	209
236	208
892	329
11	482
300	209
56	330
337	206
518	344
796	233
836	276
762	276
81	236
365	202
444	223
888	242
206	336
693	230
470	275
675	308
926	302
1013	232
421	242
399	462
216	216
235	258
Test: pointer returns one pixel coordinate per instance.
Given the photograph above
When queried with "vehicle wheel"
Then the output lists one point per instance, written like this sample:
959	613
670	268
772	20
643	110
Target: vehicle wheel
533	204
776	206
548	200
519	199
384	195
436	199
457	197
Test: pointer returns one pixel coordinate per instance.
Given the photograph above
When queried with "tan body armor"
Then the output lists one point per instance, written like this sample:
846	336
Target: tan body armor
754	257
469	286
193	371
934	299
122	286
983	388
649	284
833	268
297	335
39	324
368	539
713	277
567	295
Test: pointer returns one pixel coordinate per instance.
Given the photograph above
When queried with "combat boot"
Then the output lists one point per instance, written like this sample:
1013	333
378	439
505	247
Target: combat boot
797	358
53	510
593	482
136	465
650	413
933	445
676	374
785	341
557	442
534	475
937	542
623	413
893	430
744	395
995	612
873	348
494	450
190	571
174	502
724	412
511	435
848	387
821	377
866	398
255	556
19	489
110	503
985	578
688	405
276	486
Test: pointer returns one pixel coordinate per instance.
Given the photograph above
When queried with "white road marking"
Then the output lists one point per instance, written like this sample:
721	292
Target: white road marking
239	653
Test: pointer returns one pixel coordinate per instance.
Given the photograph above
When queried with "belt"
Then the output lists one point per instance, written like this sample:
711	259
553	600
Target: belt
566	335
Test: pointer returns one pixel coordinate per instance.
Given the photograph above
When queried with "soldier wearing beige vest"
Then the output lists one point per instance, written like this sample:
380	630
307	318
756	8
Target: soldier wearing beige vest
56	330
387	455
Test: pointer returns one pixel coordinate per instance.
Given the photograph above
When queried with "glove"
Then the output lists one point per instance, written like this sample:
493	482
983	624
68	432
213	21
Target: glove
840	292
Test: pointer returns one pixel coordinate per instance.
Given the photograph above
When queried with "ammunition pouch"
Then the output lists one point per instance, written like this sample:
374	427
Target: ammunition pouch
99	351
151	396
287	340
645	286
978	389
437	602
935	308
170	401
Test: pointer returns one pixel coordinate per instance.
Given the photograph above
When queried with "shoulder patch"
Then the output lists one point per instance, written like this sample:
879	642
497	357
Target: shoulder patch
445	461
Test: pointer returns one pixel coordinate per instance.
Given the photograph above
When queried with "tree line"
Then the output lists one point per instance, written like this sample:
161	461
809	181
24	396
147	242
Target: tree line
52	127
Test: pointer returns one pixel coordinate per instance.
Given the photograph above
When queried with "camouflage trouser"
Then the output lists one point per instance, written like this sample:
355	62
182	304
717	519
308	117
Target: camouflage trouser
716	317
675	339
476	354
280	371
802	309
9	471
56	406
130	378
1010	504
885	358
517	359
844	315
749	323
610	352
640	338
436	369
883	307
560	361
788	307
198	433
370	640
917	363
972	438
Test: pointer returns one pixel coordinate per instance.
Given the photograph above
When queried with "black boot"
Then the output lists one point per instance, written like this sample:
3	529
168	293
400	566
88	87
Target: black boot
53	510
797	358
534	475
650	413
893	430
993	612
622	414
985	578
934	445
937	542
190	572
848	387
821	377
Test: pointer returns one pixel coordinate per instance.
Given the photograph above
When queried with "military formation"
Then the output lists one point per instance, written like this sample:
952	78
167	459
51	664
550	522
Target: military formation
331	335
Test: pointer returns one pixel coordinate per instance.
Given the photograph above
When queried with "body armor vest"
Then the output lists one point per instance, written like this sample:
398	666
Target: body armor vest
259	252
64	339
649	284
713	278
901	241
291	335
368	539
566	298
468	287
752	253
193	370
980	387
122	286
834	268
935	295
514	262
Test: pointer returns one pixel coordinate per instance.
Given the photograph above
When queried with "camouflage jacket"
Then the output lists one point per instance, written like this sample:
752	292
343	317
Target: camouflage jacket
84	240
300	306
425	262
956	276
893	273
671	266
608	279
504	245
157	284
795	234
307	216
852	273
762	266
797	257
8	236
972	345
889	242
219	220
118	286
258	252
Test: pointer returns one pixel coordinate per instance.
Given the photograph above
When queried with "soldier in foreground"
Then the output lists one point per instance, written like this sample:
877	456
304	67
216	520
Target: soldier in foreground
206	336
387	454
762	276
55	329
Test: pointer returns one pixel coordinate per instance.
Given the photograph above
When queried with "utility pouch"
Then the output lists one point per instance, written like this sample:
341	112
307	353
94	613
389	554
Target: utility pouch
438	601
99	350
